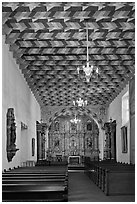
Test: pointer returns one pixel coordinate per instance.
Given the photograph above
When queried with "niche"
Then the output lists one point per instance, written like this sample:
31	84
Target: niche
11	135
56	125
89	125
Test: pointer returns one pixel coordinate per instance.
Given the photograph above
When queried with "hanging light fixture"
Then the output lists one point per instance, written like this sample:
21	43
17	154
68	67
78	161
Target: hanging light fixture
75	120
88	69
80	102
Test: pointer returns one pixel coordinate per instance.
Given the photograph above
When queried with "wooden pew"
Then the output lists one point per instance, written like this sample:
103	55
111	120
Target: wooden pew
114	167
119	182
51	169
37	182
35	193
39	178
37	171
103	174
37	185
36	177
127	173
32	174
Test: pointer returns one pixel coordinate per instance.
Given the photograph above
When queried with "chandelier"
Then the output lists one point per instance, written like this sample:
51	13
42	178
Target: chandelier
80	102
75	120
88	69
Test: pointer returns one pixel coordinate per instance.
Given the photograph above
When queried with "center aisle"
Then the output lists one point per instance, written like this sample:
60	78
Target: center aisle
82	189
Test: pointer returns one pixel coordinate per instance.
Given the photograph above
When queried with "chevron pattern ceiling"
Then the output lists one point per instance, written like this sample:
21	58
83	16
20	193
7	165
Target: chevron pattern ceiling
48	41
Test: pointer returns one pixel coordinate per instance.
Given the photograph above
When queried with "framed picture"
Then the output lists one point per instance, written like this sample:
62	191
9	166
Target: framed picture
124	139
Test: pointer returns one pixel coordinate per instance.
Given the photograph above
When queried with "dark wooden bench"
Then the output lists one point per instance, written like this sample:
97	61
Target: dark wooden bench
33	176
51	169
119	182
35	172
36	182
28	174
101	172
120	173
31	193
36	185
113	178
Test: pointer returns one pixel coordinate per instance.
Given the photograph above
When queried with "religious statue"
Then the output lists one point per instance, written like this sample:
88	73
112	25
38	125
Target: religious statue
56	143
11	135
56	126
89	142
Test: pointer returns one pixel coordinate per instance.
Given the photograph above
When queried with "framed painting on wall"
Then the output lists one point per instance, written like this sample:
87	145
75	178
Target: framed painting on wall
124	139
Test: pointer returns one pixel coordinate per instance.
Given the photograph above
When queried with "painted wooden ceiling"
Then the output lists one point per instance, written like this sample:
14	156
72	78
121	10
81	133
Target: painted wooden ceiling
48	41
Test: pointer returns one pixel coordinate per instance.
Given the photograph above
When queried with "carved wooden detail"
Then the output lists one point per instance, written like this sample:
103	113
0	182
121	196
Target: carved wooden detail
73	139
11	135
110	140
41	140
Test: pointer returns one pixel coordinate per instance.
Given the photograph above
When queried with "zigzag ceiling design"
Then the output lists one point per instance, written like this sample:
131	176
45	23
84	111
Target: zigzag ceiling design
48	41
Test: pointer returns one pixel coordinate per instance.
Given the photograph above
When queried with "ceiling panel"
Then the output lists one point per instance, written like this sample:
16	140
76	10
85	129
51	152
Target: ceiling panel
48	41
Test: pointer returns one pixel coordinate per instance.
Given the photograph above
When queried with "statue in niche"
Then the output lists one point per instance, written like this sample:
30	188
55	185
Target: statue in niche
89	125
56	143
56	126
73	144
89	142
96	130
11	135
73	126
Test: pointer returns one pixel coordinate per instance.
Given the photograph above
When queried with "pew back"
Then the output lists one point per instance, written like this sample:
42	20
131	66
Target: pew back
35	185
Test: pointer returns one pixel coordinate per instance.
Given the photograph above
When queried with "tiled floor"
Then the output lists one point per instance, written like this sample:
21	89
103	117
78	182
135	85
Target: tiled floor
82	189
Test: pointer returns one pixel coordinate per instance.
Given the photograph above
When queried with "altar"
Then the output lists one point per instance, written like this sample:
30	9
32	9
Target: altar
74	160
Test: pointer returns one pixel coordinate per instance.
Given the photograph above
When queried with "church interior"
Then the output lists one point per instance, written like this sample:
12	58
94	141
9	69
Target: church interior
68	101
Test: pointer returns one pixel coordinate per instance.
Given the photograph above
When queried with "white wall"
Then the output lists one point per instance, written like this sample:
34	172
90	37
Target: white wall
16	94
115	112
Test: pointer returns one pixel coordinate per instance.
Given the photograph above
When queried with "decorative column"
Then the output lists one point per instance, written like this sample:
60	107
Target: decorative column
113	138
39	149
47	142
110	131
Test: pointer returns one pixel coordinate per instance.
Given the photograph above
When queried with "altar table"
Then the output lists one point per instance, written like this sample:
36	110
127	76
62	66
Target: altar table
74	159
